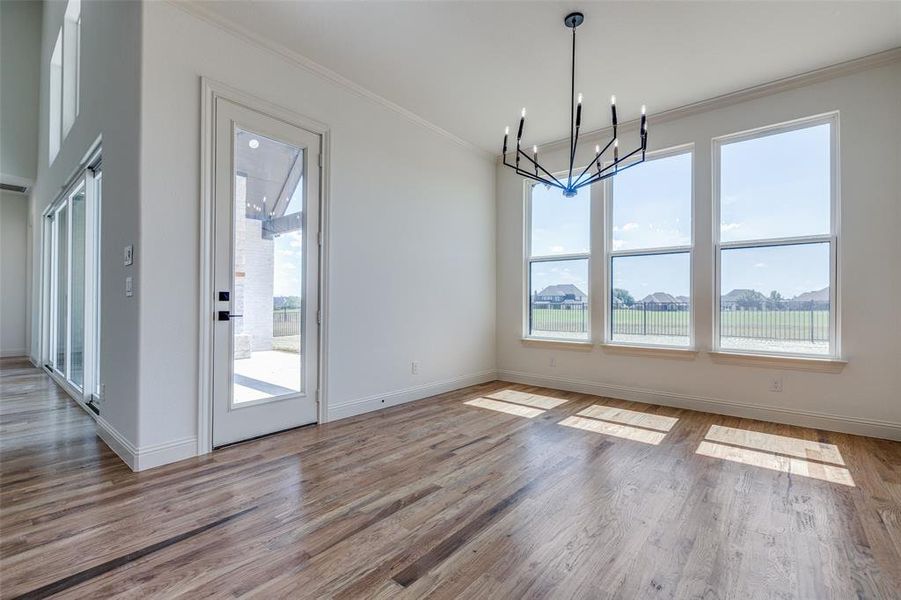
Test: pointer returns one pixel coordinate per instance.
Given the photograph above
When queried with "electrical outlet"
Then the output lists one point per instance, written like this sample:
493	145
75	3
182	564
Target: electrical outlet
129	288
129	255
414	367
776	383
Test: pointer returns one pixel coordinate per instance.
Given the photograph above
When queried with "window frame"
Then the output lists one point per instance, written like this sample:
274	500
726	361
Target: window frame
831	119
528	260
85	179
610	254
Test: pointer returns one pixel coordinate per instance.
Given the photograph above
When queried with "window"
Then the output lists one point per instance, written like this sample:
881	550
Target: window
776	239
649	244
71	63
55	105
558	256
71	314
65	72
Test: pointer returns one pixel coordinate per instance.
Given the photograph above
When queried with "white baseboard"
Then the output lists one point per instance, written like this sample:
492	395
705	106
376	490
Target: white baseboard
147	457
11	353
377	401
855	425
117	443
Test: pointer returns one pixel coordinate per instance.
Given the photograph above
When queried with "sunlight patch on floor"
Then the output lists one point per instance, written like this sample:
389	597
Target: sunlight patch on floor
776	452
779	444
533	400
628	432
505	407
628	417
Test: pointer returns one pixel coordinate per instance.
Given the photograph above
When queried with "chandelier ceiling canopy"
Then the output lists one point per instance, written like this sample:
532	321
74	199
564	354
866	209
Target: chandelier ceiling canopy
597	169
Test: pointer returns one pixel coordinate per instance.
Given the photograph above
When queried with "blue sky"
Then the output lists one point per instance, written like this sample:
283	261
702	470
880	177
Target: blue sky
288	249
775	186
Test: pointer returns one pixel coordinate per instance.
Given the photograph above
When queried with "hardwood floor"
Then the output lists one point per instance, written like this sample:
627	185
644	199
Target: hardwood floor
494	491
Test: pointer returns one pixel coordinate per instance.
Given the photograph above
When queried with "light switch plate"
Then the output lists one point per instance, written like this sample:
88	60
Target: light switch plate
129	288
129	255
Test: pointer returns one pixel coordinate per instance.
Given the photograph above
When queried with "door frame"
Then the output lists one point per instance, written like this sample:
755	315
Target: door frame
211	91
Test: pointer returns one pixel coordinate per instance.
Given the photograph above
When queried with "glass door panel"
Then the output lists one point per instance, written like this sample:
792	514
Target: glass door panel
77	287
268	267
62	287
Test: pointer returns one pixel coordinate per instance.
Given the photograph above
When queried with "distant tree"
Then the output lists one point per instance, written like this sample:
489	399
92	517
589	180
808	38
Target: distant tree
624	296
775	296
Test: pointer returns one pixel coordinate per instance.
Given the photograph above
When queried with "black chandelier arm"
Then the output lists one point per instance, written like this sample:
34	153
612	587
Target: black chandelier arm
537	178
594	160
606	172
557	183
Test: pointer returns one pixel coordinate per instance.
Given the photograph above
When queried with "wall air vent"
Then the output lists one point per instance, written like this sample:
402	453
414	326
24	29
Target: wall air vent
11	187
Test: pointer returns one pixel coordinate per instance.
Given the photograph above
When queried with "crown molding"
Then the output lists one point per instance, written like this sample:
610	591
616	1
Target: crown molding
791	82
243	33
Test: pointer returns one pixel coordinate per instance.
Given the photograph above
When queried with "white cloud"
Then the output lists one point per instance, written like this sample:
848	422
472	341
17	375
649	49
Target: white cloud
729	226
630	226
759	265
557	248
618	244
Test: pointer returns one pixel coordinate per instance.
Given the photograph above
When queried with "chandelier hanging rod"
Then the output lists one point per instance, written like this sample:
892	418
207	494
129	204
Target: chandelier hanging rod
570	186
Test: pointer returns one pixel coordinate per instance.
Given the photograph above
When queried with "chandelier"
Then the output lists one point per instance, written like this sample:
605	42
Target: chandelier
567	183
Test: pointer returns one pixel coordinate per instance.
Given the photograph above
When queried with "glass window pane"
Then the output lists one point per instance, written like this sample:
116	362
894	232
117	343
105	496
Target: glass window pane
76	365
776	186
559	305
62	283
652	204
560	225
268	267
650	302
776	299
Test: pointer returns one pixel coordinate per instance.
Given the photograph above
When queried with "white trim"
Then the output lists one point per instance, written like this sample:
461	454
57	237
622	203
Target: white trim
610	254
716	144
14	352
785	84
830	422
146	457
118	443
378	401
212	90
239	31
528	186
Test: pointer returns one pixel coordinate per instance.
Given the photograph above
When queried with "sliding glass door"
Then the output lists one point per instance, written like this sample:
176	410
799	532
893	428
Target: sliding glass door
71	285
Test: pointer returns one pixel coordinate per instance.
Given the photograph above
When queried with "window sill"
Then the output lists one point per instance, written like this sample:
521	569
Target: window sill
584	346
651	351
798	363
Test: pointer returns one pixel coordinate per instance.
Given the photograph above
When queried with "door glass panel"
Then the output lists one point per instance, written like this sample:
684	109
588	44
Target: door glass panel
62	282
268	261
76	364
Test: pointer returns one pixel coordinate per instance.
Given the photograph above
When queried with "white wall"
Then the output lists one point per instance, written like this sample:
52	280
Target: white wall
411	232
866	396
110	106
13	269
20	42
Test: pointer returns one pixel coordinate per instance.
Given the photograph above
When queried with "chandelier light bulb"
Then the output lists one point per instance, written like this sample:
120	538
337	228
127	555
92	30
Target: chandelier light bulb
643	109
616	143
613	100
523	113
507	130
534	149
597	149
580	98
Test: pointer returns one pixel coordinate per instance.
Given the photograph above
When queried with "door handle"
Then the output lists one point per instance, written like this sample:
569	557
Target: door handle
224	315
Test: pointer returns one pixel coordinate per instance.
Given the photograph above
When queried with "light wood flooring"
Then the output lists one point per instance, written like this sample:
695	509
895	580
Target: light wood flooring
495	491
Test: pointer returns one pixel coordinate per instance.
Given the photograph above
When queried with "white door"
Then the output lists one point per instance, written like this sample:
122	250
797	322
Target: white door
266	274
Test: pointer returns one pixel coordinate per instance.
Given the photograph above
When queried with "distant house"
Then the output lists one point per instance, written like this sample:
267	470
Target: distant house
563	295
743	299
663	301
817	299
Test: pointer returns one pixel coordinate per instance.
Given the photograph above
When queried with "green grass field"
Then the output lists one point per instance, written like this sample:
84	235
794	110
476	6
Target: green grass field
766	324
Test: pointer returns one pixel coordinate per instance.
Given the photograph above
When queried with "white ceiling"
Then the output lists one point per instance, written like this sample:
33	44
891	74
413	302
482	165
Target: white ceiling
469	67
